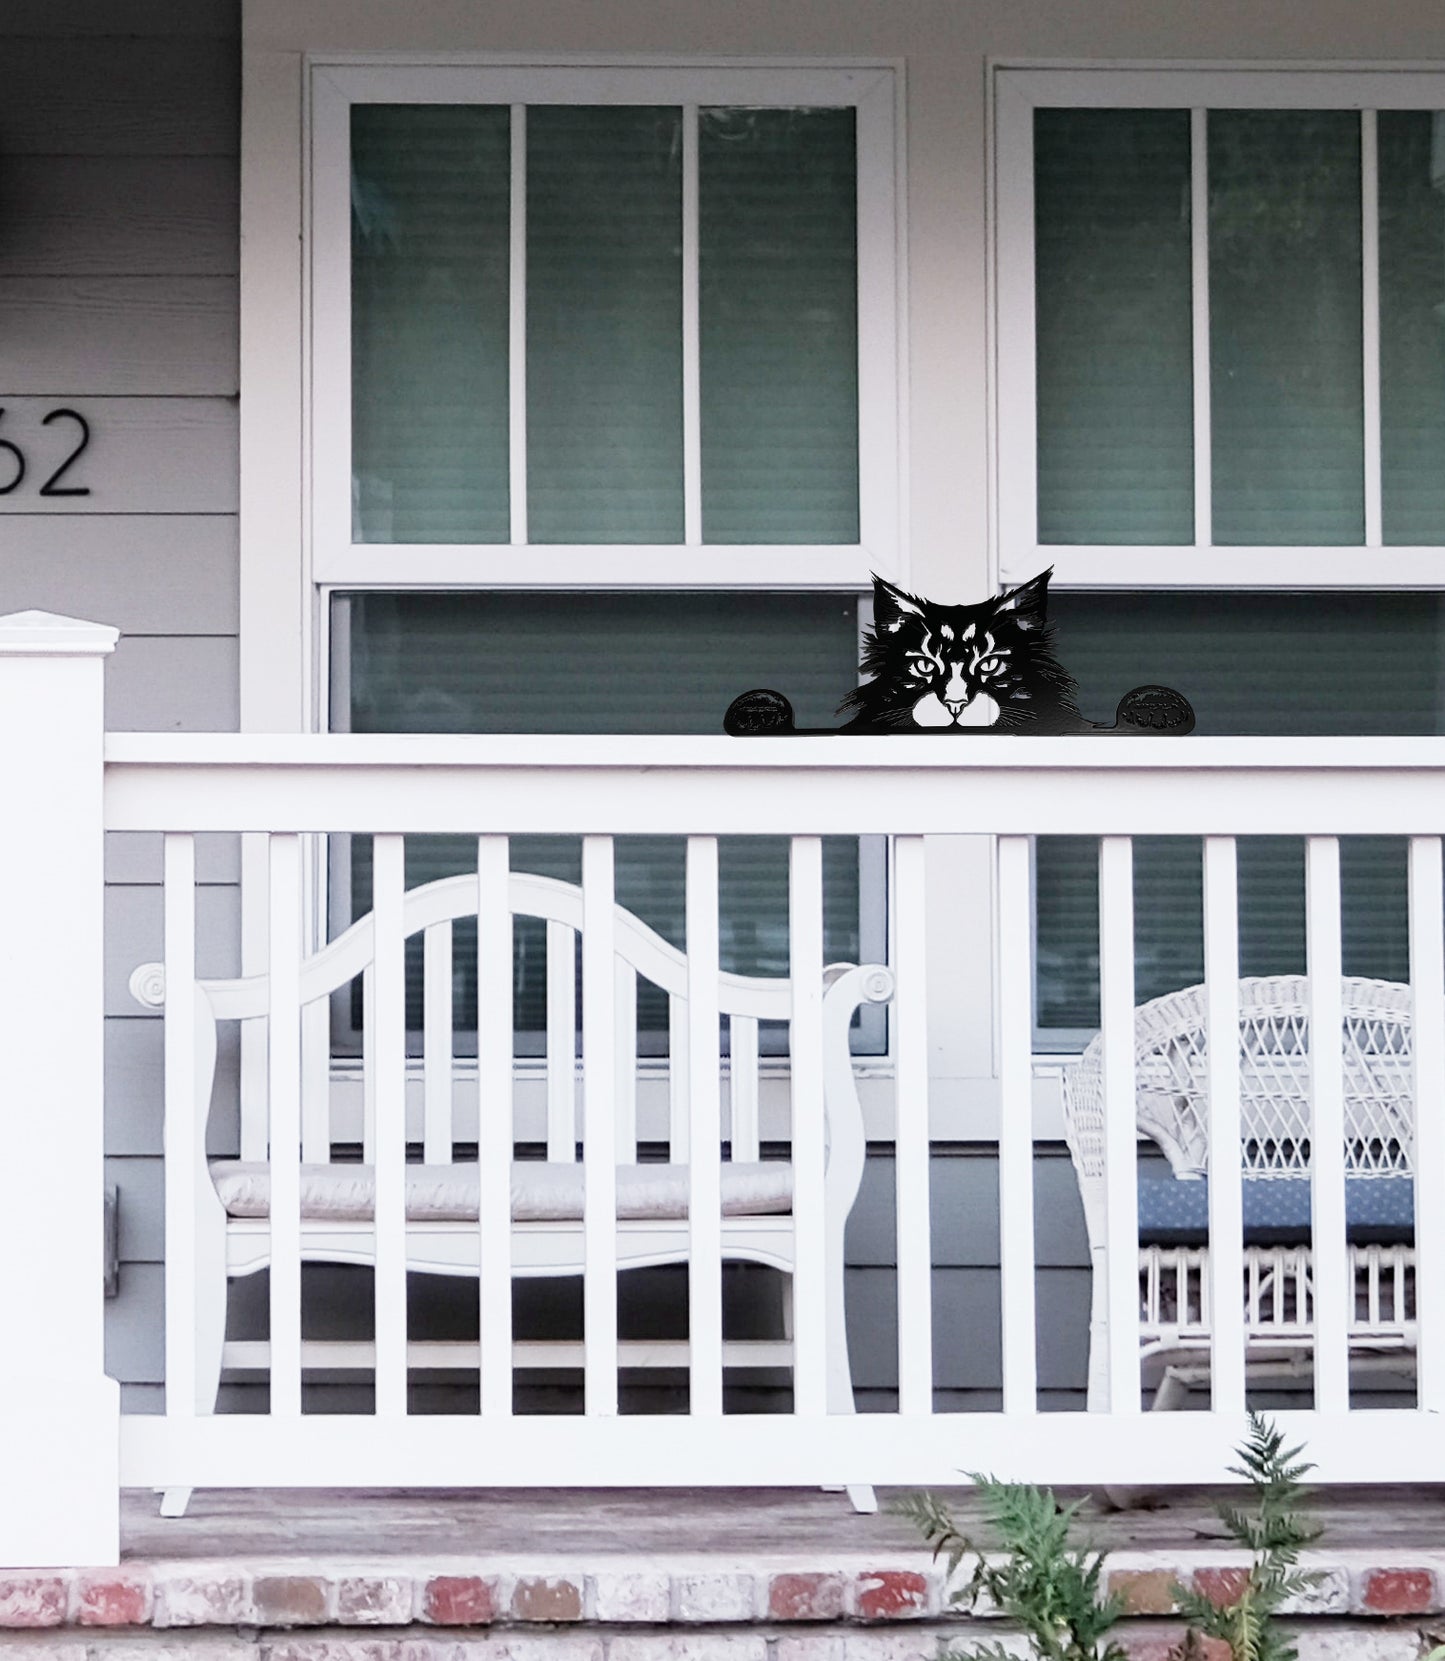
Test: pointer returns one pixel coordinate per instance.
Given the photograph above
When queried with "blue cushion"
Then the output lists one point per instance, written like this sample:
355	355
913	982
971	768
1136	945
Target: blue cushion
1175	1212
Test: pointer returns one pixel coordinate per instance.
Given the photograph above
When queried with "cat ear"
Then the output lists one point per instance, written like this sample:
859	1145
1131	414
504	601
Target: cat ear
1028	603
891	605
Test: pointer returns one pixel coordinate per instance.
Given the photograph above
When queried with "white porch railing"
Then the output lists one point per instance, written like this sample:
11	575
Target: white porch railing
282	787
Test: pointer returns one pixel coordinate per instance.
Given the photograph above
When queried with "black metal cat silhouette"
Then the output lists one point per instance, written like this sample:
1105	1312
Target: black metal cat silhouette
965	669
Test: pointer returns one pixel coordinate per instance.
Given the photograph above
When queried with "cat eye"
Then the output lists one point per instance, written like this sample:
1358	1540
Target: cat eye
990	666
919	666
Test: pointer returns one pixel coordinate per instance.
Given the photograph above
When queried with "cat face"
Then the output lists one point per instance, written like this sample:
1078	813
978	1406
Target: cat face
959	666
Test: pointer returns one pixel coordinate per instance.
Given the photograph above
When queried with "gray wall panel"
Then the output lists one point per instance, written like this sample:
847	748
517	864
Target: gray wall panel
70	337
143	455
137	857
172	684
141	1183
135	1329
143	575
964	1194
135	1084
134	919
119	215
120	96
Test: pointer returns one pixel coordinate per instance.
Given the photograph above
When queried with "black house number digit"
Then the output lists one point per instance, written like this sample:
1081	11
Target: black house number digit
13	465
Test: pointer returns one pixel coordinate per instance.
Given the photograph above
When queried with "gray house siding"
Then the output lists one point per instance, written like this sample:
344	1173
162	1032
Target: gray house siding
119	127
119	247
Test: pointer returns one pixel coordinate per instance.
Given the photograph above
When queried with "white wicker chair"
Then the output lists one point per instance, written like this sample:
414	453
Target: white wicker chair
1171	1098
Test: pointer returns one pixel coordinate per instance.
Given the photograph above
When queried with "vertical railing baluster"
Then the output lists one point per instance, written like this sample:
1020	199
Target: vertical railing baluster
626	994
1116	999
1327	1138
599	1134
1226	1191
389	1056
678	1066
1427	981
1016	1126
743	1086
283	1081
436	1044
494	1121
704	1270
368	1060
561	1042
805	968
316	1081
184	1126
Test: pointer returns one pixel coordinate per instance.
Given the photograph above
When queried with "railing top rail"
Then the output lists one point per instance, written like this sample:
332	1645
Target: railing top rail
898	753
726	786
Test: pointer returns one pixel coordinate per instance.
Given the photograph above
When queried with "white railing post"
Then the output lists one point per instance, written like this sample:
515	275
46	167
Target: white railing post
59	1501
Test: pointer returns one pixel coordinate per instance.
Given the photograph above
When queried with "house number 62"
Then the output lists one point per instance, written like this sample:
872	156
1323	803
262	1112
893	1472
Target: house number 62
13	465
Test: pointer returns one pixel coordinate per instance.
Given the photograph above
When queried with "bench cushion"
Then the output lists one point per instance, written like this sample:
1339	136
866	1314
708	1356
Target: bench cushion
541	1192
1379	1210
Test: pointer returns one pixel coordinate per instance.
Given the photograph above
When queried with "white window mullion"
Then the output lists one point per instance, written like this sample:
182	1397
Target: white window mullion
1199	244
691	348
517	347
1370	332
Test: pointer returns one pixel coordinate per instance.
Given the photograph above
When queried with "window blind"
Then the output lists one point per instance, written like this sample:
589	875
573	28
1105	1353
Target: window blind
778	325
429	281
1267	663
1112	297
603	663
1285	327
604	324
1412	325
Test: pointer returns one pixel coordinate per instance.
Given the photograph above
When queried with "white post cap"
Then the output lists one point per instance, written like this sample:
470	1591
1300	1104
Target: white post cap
44	634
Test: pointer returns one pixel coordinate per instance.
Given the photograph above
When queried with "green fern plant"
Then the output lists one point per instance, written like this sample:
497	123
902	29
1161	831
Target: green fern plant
1041	1582
1275	1529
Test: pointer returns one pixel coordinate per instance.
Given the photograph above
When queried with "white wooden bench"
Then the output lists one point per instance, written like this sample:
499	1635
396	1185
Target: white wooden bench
231	1203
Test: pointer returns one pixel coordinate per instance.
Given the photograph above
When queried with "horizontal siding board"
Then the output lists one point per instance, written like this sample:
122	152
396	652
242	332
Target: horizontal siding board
142	455
135	1326
143	575
123	95
140	1184
135	1081
119	216
203	19
136	857
73	337
133	929
157	683
964	1194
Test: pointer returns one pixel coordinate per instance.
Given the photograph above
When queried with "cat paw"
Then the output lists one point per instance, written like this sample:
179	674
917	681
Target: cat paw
758	711
1155	709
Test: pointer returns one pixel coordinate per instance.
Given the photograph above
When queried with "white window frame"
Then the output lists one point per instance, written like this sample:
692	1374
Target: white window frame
337	562
1017	91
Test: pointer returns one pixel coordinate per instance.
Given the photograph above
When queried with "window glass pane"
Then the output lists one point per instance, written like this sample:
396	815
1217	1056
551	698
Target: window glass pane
604	324
1285	326
1412	325
1286	664
778	299
1115	375
607	663
429	275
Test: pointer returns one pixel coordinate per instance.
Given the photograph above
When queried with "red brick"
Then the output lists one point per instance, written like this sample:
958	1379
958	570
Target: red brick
32	1600
1223	1587
546	1598
1398	1591
1144	1591
113	1599
461	1600
184	1597
889	1594
805	1597
291	1600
